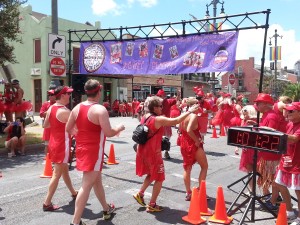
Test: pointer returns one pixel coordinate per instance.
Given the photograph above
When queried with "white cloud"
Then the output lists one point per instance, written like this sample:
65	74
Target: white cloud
103	7
250	44
147	3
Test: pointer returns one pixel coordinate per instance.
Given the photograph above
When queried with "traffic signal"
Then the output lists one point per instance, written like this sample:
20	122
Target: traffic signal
78	82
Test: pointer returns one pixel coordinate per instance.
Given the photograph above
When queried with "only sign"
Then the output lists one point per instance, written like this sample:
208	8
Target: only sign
231	79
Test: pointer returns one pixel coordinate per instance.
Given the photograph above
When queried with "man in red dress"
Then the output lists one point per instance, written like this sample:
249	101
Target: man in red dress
166	111
43	111
89	122
59	144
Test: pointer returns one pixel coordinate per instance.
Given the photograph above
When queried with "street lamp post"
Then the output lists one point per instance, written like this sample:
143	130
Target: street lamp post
275	36
214	3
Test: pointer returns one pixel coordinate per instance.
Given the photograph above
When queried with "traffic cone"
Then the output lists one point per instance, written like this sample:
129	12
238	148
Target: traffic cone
222	131
220	215
48	168
194	216
111	157
214	134
282	217
204	210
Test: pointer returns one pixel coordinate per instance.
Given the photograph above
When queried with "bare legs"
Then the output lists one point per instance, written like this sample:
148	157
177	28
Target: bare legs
202	161
92	179
61	169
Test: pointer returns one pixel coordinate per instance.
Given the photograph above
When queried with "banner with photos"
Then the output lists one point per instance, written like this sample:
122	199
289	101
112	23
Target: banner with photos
190	54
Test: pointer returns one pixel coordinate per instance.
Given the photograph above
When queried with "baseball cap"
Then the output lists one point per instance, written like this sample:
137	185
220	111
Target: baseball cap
262	97
160	93
293	106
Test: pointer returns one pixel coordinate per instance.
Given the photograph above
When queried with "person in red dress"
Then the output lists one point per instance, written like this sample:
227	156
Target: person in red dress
205	108
89	122
175	110
227	107
43	111
59	144
268	161
249	115
149	160
8	96
288	174
166	110
279	108
135	104
115	107
191	147
21	106
236	120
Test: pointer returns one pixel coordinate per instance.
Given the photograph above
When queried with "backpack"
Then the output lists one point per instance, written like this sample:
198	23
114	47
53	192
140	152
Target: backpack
140	134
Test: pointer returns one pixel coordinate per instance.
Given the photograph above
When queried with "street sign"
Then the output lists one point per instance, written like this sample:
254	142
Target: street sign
57	67
56	45
213	81
231	79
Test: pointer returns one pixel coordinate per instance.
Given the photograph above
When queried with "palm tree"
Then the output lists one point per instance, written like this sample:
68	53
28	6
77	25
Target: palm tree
293	91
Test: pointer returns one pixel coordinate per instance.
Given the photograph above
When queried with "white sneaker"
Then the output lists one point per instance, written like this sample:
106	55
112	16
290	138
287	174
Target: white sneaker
291	217
296	222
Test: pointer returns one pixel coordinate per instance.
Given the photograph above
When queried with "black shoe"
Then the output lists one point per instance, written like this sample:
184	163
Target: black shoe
167	155
81	223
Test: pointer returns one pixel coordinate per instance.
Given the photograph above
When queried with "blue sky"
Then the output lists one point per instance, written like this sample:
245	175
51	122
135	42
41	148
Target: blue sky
115	13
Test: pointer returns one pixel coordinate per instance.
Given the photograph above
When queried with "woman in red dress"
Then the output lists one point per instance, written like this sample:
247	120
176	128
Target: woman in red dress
191	147
246	161
149	160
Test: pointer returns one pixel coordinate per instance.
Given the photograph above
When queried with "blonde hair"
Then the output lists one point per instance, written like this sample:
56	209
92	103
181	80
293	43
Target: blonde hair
191	101
252	113
285	99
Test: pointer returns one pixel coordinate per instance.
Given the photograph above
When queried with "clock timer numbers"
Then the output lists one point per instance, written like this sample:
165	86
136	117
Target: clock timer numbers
275	143
242	138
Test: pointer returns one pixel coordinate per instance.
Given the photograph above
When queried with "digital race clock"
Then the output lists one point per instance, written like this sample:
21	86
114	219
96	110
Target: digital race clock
257	138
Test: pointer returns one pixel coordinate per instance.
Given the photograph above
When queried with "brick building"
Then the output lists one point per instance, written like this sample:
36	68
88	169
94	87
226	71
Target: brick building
247	76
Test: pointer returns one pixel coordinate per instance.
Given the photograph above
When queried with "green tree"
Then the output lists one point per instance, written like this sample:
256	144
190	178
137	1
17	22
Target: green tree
293	91
9	29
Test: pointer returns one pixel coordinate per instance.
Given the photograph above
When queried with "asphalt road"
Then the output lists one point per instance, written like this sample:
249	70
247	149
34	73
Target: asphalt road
22	192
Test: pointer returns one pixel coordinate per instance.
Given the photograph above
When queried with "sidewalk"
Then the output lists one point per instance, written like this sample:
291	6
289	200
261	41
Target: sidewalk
35	127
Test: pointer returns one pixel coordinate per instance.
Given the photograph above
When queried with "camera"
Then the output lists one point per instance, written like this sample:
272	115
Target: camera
165	144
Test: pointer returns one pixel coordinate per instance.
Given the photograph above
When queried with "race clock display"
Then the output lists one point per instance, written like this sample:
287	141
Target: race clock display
257	138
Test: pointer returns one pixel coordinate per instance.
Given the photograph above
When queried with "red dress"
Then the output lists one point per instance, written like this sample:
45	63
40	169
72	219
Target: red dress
45	106
236	120
149	158
227	115
188	148
90	142
175	111
59	143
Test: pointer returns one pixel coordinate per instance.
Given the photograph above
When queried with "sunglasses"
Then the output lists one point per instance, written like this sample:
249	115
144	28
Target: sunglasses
291	111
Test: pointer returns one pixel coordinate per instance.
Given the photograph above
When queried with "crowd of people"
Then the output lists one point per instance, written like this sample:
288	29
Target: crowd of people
88	122
14	108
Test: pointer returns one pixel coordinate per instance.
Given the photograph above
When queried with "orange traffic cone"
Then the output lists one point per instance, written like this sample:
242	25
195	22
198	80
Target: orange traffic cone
222	131
204	210
48	168
193	216
214	134
220	215
282	218
111	157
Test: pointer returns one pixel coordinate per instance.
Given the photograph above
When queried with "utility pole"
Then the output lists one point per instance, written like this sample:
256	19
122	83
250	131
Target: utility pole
214	3
54	17
275	36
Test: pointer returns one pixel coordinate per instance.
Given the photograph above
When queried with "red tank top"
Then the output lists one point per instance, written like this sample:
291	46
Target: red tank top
59	143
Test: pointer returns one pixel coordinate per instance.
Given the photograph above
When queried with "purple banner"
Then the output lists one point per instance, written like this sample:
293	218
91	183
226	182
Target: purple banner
191	54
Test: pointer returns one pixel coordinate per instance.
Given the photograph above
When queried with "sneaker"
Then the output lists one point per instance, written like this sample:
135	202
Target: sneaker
50	208
139	199
154	208
167	155
107	214
296	222
291	217
188	196
74	196
81	223
270	206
